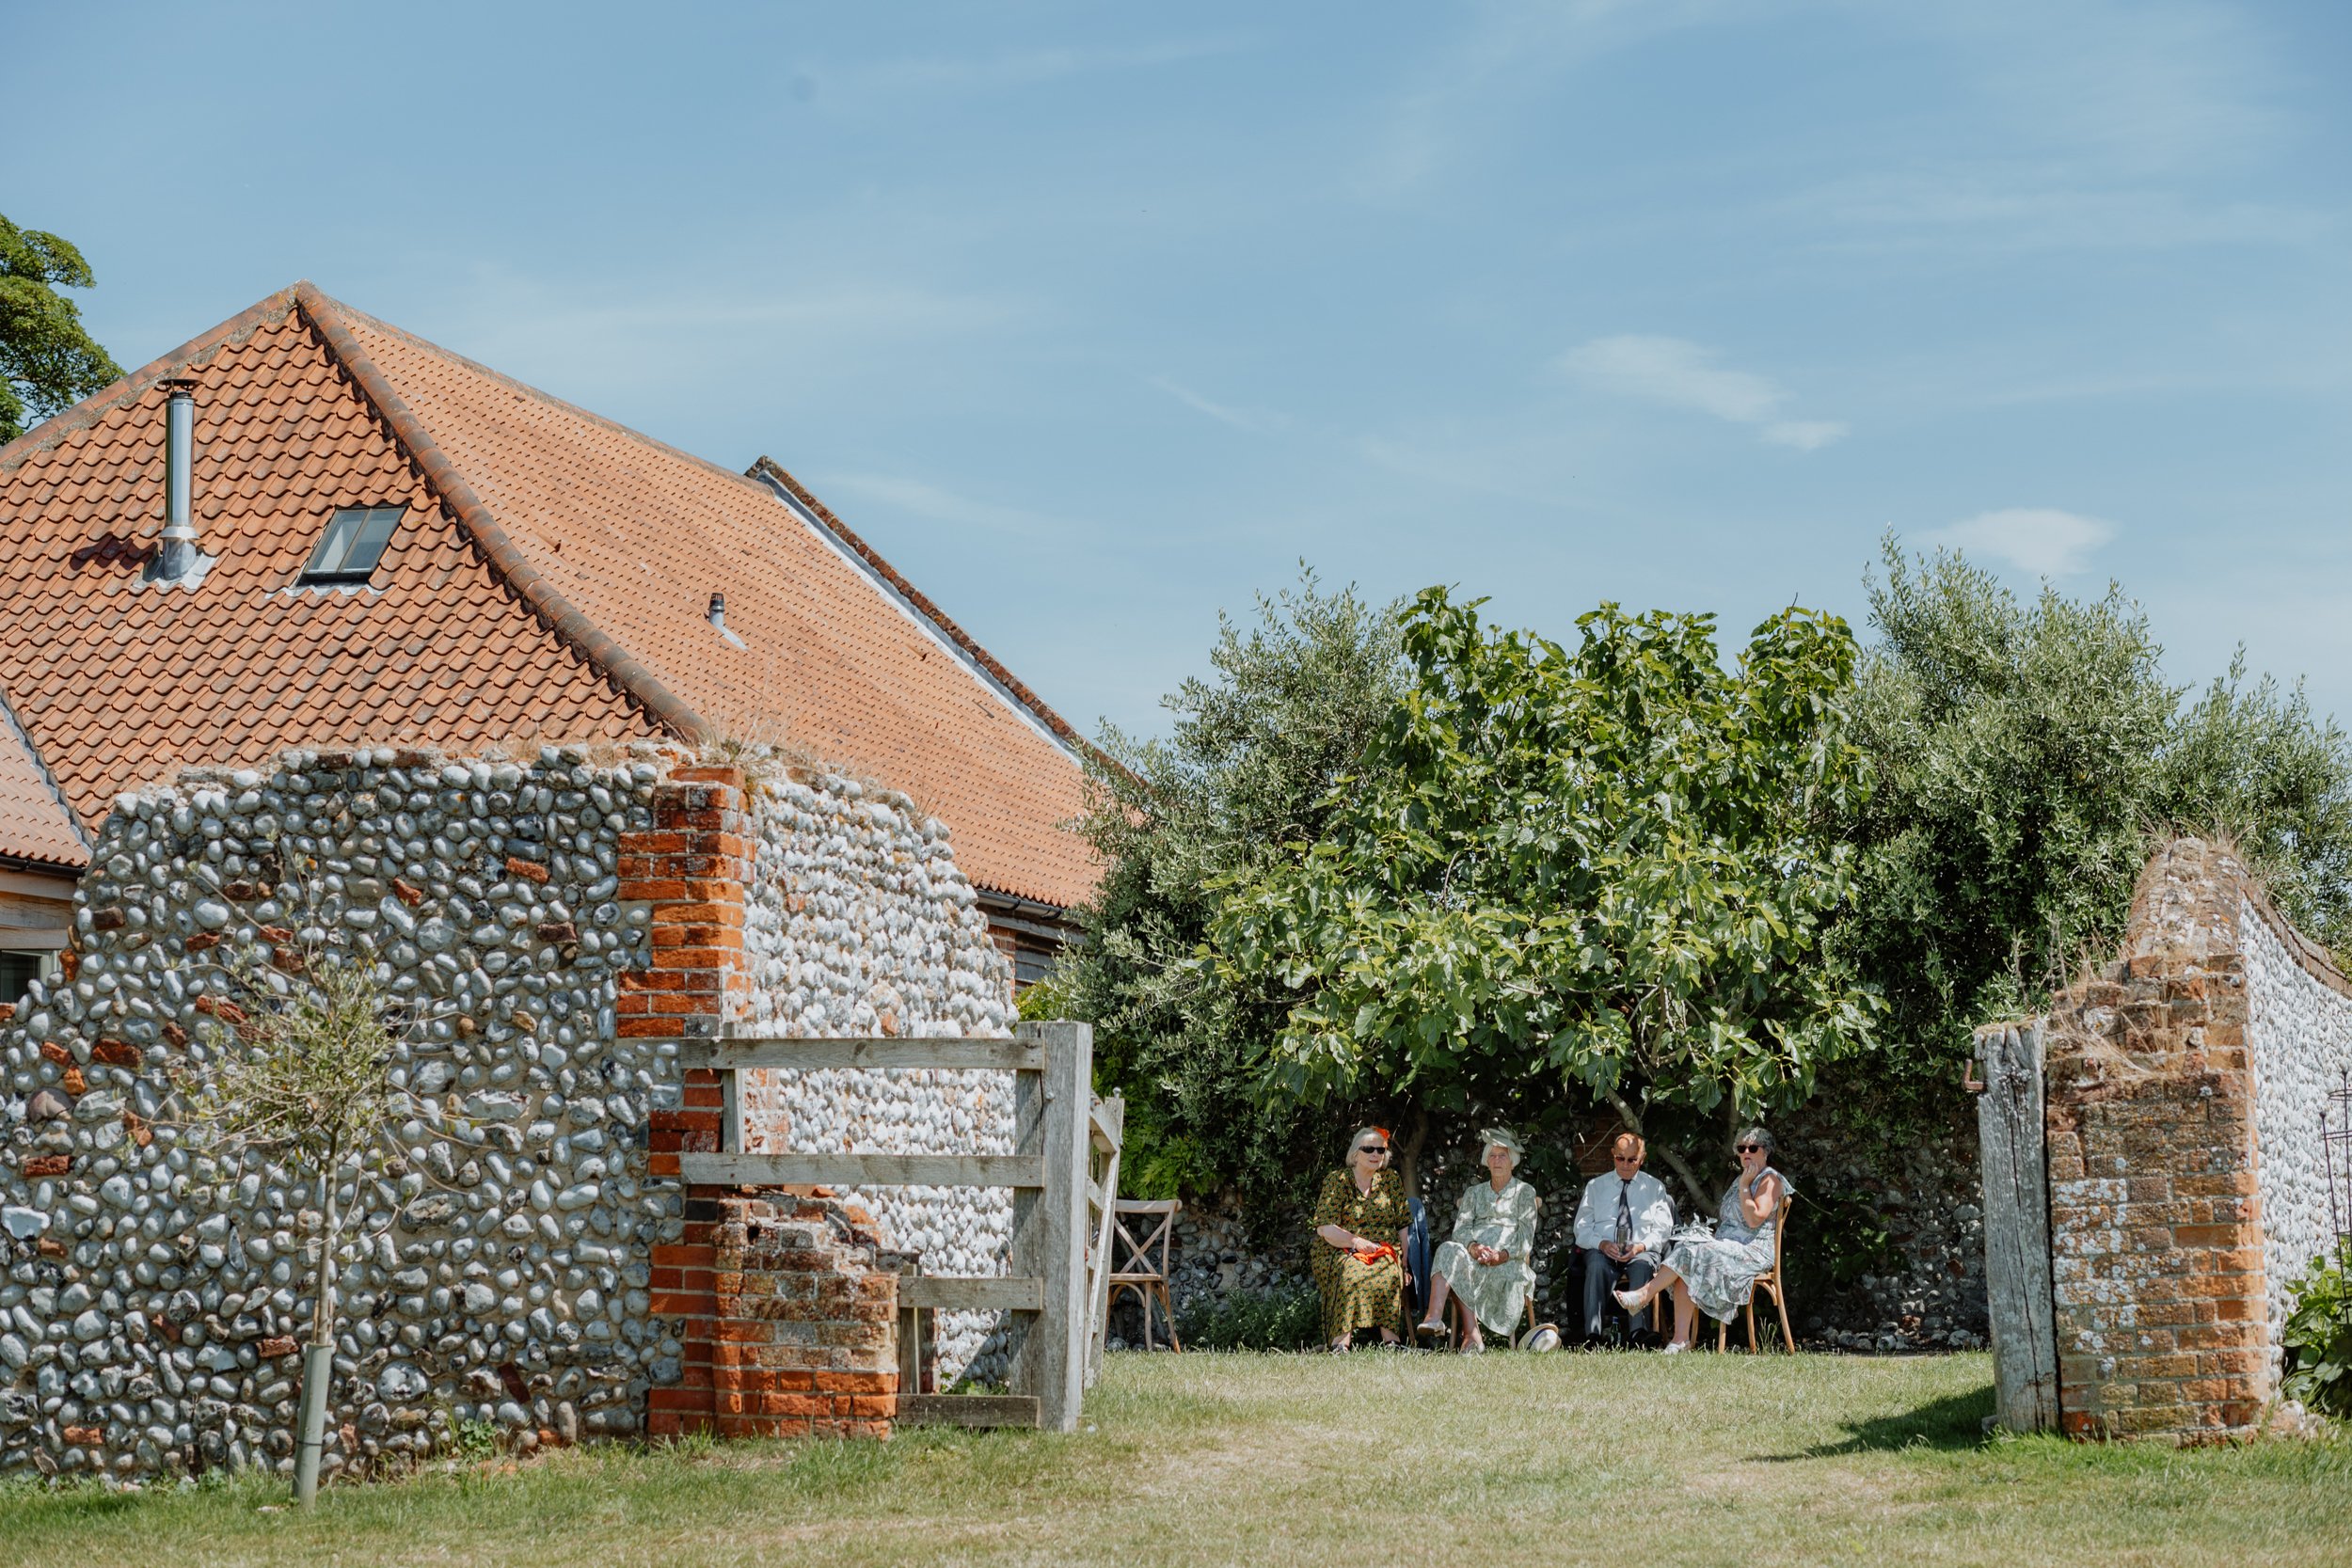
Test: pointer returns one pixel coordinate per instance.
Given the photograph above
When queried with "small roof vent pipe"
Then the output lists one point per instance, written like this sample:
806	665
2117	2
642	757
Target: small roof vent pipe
177	556
718	619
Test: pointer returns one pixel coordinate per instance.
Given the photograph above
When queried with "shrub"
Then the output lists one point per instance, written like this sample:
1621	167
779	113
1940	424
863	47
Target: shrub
1252	1320
2319	1337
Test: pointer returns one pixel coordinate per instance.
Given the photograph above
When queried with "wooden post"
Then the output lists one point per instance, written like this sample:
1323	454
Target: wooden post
2010	1130
1108	1122
1049	1228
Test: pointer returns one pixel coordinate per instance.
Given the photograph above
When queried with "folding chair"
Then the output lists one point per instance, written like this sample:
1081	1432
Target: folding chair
1768	1282
1146	1269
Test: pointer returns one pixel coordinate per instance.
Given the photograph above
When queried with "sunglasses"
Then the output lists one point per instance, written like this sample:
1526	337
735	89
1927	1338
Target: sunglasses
1751	1148
1629	1159
1372	1148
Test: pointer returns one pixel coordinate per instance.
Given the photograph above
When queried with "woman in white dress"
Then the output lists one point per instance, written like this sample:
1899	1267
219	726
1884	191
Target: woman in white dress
1712	1273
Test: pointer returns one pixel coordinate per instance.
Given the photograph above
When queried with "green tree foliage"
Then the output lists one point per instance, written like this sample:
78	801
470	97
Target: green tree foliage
2318	1338
47	361
1605	870
1253	753
2027	755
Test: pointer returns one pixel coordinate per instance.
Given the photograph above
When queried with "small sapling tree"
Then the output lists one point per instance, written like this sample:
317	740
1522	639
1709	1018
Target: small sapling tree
302	1080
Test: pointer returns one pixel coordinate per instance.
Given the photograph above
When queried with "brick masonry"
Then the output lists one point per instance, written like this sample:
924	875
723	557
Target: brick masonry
789	1309
2155	1172
786	1304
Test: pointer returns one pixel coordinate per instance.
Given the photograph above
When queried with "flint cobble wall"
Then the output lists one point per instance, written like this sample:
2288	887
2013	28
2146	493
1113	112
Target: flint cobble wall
857	923
155	1290
2299	1038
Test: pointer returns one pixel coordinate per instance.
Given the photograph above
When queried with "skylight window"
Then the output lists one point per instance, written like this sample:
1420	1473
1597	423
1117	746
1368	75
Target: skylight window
354	544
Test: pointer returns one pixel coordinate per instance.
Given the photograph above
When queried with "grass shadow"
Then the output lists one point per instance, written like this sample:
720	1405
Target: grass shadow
1953	1422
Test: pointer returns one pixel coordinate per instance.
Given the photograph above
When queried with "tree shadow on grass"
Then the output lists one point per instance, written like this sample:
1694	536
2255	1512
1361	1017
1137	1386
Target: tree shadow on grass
1954	1422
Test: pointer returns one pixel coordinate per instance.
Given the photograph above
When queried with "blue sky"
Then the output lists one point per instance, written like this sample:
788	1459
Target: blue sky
1096	320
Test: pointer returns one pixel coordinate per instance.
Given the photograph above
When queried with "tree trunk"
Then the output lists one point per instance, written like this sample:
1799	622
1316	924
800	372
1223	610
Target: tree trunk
1408	1158
1633	1125
318	1357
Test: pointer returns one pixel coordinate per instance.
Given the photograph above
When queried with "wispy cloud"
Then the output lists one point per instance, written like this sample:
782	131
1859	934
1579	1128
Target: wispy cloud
1681	374
2042	540
1257	422
925	499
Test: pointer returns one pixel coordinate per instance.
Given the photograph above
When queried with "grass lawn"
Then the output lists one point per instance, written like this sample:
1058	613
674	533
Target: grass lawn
1300	1461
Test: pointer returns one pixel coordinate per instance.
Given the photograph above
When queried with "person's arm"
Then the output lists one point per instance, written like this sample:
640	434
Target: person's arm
1588	1217
1518	1242
1330	1205
1761	1204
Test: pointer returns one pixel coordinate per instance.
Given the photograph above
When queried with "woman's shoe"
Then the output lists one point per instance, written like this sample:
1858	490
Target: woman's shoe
1432	1329
1675	1348
1631	1300
1479	1349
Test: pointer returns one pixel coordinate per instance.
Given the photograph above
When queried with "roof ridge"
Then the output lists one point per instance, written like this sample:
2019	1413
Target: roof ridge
772	470
271	307
536	590
541	394
41	764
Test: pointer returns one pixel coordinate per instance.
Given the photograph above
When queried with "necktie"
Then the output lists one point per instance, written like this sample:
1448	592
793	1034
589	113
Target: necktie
1624	1214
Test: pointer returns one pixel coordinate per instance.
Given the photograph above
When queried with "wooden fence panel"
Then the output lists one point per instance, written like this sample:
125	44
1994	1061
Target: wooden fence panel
2016	1167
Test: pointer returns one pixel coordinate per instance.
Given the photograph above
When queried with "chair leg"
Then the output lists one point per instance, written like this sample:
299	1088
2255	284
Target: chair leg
1751	1309
1169	1306
1780	1304
1723	1332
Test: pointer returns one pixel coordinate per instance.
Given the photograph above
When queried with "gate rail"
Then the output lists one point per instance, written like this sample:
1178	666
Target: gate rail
1060	1134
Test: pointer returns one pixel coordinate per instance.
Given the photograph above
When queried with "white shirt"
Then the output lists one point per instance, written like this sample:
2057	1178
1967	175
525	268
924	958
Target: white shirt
1646	1196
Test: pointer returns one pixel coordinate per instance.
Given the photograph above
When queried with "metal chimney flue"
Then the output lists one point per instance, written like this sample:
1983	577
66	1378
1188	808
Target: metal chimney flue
178	554
718	610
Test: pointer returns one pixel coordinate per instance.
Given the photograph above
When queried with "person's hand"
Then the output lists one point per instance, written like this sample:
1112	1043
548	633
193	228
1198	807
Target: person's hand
1612	1251
1634	1250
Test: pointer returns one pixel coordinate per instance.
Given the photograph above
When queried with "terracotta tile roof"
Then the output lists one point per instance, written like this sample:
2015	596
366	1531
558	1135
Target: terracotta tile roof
35	823
553	573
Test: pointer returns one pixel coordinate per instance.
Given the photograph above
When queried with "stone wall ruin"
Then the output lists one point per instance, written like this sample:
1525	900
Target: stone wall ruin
2183	1087
155	1294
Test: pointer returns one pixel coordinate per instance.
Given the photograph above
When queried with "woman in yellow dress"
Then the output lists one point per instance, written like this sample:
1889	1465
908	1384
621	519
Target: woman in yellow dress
1358	1251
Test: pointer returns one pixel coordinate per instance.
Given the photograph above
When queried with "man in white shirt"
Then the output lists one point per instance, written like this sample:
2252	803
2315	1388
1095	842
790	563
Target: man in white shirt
1622	1224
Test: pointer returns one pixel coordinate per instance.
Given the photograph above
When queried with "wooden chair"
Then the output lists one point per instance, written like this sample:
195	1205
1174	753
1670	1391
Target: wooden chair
1769	1282
1144	1271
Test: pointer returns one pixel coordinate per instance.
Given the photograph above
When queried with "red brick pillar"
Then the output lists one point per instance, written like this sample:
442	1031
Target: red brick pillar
2156	1226
691	868
786	1307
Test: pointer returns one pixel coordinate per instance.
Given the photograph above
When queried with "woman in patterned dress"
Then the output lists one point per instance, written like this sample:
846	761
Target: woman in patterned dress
1486	1262
1358	1251
1711	1275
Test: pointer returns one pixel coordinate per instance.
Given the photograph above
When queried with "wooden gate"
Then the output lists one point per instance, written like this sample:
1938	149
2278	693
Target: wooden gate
1060	1136
2015	1152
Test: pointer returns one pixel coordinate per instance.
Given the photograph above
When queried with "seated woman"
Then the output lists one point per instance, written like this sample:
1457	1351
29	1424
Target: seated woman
1486	1262
1358	1253
1712	1274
